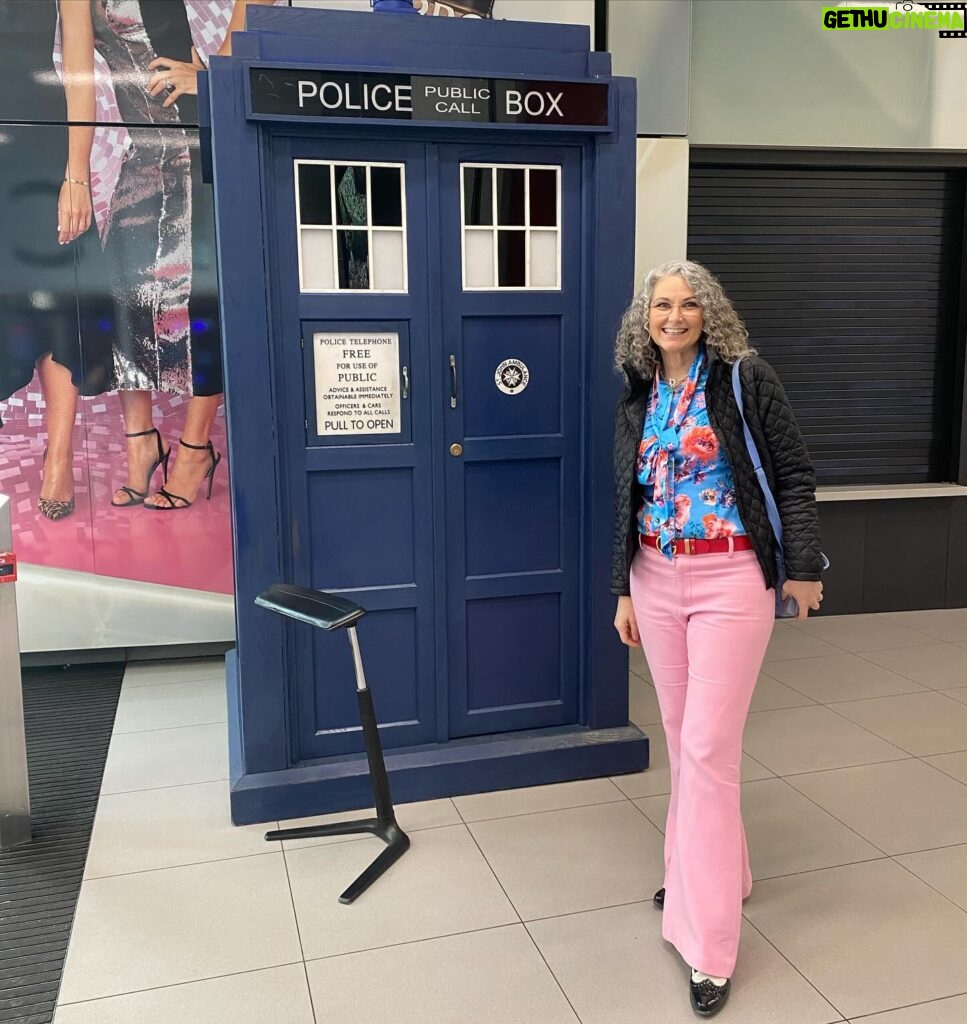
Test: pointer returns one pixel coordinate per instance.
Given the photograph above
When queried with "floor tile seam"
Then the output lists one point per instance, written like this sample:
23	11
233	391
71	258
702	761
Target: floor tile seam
832	708
152	789
826	867
822	995
169	728
551	810
172	682
906	1006
176	867
839	767
849	828
828	813
888	696
930	849
177	984
550	970
939	769
897	672
586	910
490	867
912	873
298	932
166	728
414	942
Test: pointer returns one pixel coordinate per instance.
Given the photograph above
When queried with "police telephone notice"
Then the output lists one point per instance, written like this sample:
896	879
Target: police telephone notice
357	383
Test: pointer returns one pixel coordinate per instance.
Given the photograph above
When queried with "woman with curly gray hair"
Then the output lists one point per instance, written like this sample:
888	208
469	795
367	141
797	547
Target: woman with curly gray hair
695	570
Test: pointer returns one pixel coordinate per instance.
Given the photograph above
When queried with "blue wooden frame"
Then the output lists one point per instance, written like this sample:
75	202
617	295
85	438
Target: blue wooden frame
265	783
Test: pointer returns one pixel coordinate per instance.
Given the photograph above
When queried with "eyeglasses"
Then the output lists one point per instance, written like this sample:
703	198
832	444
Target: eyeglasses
686	306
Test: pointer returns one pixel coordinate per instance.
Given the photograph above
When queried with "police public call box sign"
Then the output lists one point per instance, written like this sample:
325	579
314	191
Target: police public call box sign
400	97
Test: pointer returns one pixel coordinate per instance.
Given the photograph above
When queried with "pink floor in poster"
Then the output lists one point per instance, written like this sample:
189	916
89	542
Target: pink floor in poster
189	548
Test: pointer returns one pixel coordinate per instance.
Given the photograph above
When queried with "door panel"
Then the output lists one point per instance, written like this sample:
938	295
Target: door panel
360	500
512	491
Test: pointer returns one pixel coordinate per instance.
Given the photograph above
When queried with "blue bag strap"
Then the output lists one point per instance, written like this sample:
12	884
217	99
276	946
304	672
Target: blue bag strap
753	450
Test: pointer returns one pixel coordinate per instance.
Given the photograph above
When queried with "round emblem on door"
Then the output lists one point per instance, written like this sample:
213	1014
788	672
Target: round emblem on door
512	376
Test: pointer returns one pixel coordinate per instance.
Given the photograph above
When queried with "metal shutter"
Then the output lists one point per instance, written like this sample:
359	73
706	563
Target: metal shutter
848	279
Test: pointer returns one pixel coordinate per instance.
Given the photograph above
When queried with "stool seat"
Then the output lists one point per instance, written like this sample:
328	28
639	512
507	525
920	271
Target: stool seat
318	608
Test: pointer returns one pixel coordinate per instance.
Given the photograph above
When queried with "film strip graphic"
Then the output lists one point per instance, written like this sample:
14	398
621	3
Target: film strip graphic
944	33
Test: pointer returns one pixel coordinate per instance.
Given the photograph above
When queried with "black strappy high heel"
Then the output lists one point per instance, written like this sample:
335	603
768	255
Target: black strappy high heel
137	497
176	501
52	509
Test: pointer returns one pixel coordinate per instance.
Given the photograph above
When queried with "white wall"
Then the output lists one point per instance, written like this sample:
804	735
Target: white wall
768	74
662	203
566	12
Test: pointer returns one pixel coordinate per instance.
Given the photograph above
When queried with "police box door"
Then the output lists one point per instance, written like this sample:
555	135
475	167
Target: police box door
348	222
511	351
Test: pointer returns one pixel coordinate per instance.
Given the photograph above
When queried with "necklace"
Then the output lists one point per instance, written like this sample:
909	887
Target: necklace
672	382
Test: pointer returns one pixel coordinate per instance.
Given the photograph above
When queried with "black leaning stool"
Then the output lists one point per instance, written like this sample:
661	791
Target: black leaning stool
330	611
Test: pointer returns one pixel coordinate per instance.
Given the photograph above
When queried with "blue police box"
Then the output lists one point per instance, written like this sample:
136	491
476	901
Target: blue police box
425	235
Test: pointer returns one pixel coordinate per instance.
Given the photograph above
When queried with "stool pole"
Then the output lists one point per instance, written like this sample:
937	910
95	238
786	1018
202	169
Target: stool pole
374	749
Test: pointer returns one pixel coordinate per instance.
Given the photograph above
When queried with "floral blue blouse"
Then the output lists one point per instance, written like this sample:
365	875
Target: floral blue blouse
688	485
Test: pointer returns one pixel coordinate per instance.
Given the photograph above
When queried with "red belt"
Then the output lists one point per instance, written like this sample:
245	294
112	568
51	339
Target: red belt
698	546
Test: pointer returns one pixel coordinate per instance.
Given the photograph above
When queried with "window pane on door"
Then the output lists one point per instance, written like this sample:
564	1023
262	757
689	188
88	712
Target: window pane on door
478	205
543	197
510	196
386	196
351	195
388	265
317	263
353	253
478	259
315	194
511	262
543	262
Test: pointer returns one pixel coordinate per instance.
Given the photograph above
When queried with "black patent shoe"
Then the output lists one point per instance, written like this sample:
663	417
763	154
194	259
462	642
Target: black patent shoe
659	898
706	997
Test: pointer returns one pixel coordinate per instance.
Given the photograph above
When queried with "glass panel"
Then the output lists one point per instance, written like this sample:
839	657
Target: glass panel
386	196
544	259
387	260
315	198
316	248
543	198
478	197
510	259
351	195
510	195
479	256
353	250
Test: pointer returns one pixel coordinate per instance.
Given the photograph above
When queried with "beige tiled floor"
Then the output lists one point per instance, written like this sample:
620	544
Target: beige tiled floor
533	906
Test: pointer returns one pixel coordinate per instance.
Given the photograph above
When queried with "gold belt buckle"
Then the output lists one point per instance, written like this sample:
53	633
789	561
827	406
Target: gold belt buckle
689	546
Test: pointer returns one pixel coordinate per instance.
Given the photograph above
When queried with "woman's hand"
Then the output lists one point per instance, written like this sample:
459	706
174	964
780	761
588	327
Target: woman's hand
74	211
808	595
175	77
624	623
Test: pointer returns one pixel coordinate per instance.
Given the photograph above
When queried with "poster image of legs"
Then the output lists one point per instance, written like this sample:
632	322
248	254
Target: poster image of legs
112	446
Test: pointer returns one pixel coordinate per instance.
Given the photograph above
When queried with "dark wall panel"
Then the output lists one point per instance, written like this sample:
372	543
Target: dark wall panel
843	528
906	554
848	280
957	560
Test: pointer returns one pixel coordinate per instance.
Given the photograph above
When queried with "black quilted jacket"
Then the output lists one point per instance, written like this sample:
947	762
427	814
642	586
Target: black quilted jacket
784	457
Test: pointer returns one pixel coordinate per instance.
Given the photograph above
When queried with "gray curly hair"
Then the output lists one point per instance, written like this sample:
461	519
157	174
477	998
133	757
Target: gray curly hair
724	332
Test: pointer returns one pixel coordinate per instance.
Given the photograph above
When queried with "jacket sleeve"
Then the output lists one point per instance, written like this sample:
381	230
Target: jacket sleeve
794	479
620	582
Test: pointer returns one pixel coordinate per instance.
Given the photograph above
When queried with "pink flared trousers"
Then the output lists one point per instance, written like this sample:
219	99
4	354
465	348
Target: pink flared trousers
705	622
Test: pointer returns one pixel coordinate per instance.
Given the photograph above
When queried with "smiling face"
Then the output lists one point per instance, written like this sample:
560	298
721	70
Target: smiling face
675	318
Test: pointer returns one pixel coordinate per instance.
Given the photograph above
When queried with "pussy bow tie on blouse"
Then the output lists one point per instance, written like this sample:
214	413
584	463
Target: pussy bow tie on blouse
667	411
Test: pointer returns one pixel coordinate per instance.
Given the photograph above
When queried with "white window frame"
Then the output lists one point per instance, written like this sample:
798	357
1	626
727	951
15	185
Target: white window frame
335	227
494	228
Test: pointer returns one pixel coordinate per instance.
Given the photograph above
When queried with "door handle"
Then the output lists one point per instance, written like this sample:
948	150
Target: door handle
453	381
406	382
